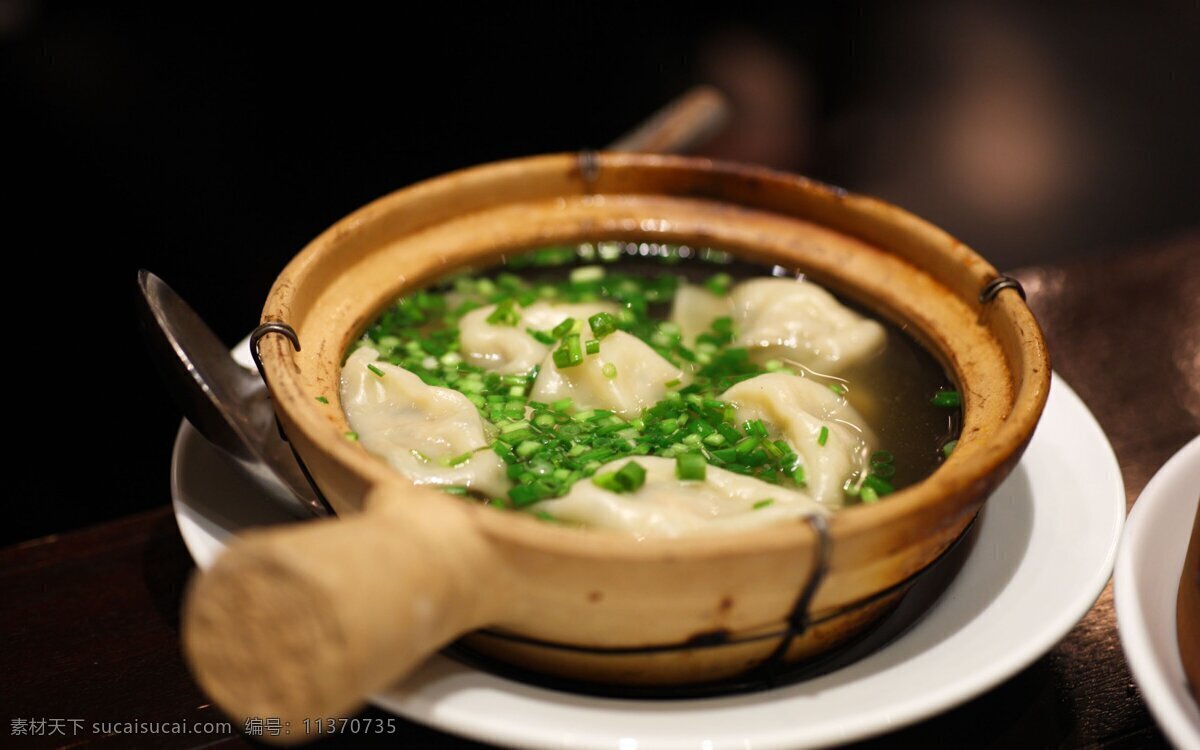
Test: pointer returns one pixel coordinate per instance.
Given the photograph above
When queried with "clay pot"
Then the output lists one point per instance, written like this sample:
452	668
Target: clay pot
308	620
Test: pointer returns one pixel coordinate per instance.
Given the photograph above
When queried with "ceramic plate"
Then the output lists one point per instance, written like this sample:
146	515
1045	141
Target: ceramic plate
1044	550
1145	585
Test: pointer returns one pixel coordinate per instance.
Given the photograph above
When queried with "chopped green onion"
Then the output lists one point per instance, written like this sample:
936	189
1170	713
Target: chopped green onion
351	436
725	455
690	466
755	427
880	485
947	399
798	476
570	353
628	478
322	399
460	459
883	470
949	447
455	489
602	324
868	495
375	370
592	346
838	388
542	337
882	457
523	494
672	382
719	283
505	314
563	404
824	436
609	370
528	448
563	328
746	445
764	503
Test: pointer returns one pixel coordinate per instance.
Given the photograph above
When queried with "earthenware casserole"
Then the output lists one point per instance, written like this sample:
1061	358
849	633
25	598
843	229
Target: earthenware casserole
310	619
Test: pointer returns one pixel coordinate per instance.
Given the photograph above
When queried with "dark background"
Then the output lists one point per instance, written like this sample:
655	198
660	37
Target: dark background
210	145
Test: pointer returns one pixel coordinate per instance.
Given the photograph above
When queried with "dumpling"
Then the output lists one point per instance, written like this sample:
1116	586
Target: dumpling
510	350
796	409
669	507
694	310
421	430
801	324
639	380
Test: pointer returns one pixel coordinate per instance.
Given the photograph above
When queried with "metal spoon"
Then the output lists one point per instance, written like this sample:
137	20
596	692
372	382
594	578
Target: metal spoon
230	406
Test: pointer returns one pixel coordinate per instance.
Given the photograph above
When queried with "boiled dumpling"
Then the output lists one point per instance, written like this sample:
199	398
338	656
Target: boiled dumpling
802	325
796	409
665	506
510	349
419	429
639	377
694	310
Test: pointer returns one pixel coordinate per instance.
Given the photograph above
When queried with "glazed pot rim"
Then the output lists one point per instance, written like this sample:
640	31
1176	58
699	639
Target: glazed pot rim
976	460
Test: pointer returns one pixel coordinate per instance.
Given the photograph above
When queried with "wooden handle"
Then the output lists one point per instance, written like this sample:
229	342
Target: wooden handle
308	620
680	126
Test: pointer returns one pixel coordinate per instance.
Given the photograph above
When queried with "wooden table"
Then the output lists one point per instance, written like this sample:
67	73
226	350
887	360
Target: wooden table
91	618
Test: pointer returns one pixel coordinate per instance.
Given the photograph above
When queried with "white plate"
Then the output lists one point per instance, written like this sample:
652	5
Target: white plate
1146	584
1044	551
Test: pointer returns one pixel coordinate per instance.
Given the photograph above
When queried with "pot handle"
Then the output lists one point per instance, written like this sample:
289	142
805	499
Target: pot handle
308	620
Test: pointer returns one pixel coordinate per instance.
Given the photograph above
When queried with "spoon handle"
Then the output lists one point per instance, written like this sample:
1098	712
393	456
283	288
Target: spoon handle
683	124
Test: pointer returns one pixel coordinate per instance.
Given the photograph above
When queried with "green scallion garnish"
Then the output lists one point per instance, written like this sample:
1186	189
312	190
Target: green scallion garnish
629	478
947	399
505	314
949	447
569	353
351	436
824	436
691	467
764	503
542	337
322	399
602	324
609	370
563	328
719	283
375	370
878	484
